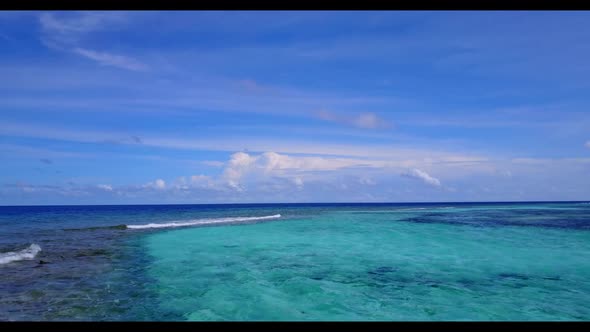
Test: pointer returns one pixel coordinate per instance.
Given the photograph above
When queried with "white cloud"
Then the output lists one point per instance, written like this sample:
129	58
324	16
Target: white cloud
105	187
288	178
159	184
238	165
108	59
180	184
71	27
272	164
193	182
67	31
421	175
362	120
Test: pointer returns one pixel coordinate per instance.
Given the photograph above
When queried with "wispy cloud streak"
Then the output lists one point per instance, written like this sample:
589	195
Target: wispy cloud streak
361	120
108	59
68	32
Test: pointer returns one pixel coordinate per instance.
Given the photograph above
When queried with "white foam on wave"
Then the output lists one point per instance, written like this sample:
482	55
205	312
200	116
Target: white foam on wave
202	222
12	256
430	208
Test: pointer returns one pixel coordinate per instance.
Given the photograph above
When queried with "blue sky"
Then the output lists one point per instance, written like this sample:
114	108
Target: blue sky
226	107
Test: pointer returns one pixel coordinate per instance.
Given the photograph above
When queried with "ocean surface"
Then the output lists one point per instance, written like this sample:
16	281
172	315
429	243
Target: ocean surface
296	262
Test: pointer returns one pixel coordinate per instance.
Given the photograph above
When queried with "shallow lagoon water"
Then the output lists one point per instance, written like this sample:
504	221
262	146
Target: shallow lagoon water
517	261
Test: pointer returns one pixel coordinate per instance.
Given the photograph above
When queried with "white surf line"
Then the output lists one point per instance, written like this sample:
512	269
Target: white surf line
202	222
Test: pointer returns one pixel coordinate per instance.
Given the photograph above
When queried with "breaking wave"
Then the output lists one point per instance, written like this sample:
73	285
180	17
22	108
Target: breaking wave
202	222
13	256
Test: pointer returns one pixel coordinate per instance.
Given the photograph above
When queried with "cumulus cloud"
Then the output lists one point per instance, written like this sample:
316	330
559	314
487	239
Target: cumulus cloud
361	120
421	175
274	177
238	165
159	184
271	164
265	172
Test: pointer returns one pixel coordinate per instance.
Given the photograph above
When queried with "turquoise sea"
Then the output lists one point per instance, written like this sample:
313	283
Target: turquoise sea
296	262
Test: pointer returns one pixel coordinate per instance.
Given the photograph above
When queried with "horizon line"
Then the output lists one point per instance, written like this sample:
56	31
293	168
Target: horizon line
302	203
